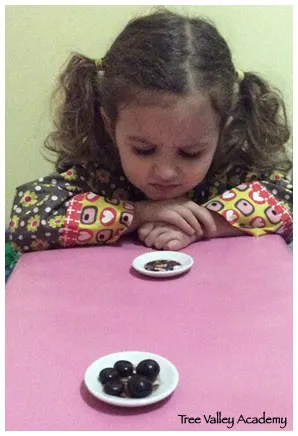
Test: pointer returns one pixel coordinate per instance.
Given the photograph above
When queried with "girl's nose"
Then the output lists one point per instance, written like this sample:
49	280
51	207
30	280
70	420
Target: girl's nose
164	171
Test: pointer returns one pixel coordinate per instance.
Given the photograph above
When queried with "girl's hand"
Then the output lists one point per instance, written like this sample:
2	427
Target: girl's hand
165	236
187	216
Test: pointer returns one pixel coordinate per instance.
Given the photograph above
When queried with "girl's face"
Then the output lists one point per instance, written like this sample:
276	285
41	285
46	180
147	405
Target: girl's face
167	149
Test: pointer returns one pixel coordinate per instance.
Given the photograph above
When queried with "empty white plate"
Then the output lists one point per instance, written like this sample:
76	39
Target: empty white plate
163	263
168	378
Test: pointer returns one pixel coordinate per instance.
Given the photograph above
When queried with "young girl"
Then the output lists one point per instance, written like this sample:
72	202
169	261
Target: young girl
162	136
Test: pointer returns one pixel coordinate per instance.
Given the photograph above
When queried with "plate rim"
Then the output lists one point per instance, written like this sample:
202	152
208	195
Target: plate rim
134	402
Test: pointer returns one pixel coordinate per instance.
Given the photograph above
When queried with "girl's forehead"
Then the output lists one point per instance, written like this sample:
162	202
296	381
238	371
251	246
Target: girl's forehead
192	115
165	100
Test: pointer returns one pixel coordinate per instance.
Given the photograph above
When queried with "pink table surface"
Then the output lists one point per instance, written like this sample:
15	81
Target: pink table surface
226	325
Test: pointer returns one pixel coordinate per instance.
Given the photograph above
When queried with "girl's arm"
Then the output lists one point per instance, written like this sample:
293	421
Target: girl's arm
256	207
82	207
61	210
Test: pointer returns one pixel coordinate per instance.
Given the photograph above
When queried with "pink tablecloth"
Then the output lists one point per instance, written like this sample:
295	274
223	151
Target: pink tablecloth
226	325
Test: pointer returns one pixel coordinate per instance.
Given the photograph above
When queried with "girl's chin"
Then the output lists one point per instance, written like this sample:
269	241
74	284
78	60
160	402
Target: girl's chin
160	197
163	195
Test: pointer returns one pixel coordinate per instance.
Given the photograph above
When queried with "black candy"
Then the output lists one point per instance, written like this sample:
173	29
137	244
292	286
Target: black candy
148	368
114	387
124	368
139	386
108	374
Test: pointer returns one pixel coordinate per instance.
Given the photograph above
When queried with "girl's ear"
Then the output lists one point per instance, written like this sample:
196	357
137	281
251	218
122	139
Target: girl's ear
107	122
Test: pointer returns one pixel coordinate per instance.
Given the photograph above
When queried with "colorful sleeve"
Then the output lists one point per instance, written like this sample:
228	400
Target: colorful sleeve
60	210
256	207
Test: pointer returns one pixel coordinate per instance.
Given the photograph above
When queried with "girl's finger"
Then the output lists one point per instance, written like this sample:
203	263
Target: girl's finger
145	229
152	237
205	218
179	241
164	238
176	219
188	215
174	245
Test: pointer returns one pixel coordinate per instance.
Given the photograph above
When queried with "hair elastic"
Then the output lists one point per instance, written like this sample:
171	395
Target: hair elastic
99	64
240	75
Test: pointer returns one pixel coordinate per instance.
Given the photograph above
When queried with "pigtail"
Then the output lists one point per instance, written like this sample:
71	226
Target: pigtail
78	123
257	130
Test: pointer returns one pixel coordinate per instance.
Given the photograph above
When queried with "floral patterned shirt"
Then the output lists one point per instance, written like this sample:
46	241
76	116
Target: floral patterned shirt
93	205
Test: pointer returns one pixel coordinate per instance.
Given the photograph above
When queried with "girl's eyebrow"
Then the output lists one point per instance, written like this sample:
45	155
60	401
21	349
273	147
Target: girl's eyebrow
146	142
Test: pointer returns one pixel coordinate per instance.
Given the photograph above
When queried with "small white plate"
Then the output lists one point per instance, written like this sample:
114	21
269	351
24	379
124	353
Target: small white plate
168	378
185	261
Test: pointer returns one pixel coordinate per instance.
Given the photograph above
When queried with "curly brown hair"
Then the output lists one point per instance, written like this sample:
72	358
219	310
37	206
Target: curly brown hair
165	52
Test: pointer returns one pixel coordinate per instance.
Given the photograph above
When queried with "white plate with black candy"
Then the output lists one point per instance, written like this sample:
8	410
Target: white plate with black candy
164	383
163	263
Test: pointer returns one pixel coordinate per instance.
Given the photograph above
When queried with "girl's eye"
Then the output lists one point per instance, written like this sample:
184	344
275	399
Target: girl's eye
189	155
143	151
149	151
